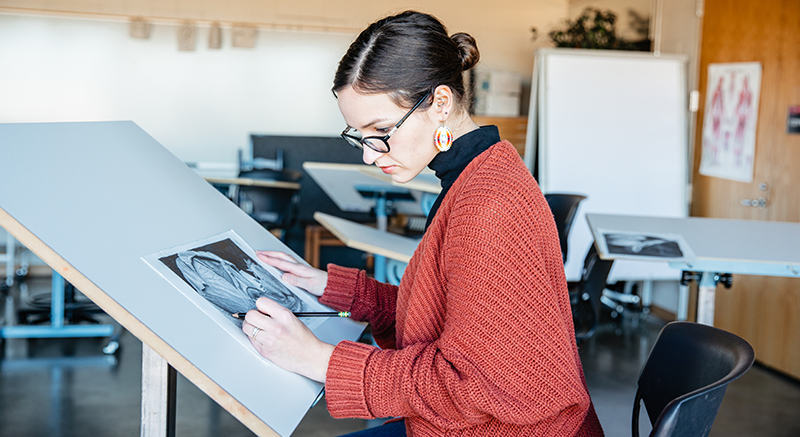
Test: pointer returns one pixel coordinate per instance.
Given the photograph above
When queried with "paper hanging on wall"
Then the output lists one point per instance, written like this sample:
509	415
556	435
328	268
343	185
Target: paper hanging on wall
730	120
243	36
186	37
793	120
139	28
215	36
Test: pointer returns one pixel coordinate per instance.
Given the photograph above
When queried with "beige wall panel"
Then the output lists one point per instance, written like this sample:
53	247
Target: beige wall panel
764	310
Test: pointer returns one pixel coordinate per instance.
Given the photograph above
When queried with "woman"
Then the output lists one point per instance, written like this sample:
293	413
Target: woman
478	337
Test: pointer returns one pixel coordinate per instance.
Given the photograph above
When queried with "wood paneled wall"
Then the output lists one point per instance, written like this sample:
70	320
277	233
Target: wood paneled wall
763	310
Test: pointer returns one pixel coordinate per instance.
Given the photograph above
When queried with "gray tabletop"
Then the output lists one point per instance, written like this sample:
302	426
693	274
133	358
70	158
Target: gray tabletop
719	245
104	195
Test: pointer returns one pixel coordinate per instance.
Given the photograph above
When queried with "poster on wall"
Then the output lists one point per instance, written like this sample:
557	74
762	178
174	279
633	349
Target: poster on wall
731	117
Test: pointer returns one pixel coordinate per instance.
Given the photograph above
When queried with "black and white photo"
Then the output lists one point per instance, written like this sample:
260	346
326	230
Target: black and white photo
638	245
222	276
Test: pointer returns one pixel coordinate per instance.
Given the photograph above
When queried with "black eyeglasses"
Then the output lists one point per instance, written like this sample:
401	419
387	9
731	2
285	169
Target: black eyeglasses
378	144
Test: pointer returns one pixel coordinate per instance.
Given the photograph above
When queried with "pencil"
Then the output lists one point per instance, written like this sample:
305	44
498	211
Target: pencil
312	314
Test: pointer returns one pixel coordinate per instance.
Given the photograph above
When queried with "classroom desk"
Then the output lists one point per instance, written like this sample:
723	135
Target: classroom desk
426	181
369	239
254	182
717	247
396	249
356	187
342	182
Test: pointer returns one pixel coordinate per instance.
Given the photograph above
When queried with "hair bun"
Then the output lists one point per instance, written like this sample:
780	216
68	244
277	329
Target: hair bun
467	49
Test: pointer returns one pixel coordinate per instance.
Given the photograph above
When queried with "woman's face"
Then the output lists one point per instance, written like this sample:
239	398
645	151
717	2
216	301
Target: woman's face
411	147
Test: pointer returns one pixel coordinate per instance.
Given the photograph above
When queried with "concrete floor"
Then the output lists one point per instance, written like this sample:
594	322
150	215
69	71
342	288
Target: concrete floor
68	387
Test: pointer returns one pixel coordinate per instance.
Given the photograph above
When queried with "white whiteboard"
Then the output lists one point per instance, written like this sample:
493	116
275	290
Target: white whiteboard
612	126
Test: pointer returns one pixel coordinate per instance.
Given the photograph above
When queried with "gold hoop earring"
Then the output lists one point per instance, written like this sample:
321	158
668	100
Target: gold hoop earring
443	138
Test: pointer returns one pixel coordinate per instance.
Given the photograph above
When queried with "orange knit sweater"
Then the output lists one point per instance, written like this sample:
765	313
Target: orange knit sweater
478	339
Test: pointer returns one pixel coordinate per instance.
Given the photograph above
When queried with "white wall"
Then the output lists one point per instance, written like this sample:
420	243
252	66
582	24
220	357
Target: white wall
201	105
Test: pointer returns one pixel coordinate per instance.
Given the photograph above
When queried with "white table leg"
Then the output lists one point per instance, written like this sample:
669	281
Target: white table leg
11	262
705	298
683	302
647	293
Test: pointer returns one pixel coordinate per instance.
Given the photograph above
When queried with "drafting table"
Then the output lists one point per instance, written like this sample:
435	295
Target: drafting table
369	239
109	218
230	187
254	182
356	187
381	243
340	183
719	246
426	181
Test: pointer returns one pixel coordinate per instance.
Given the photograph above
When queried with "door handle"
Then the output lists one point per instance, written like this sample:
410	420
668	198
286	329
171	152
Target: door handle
761	202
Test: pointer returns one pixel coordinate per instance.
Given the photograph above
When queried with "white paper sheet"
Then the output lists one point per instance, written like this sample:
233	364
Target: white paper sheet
222	275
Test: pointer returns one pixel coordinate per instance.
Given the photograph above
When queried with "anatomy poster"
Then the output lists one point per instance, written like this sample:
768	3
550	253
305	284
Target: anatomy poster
729	124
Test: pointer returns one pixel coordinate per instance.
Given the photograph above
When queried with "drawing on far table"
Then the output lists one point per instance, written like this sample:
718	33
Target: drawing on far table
645	245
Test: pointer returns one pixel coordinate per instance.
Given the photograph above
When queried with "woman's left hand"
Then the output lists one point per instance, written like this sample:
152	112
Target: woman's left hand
283	339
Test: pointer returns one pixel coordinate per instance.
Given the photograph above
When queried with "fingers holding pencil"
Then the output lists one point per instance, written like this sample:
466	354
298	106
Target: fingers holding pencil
344	314
285	340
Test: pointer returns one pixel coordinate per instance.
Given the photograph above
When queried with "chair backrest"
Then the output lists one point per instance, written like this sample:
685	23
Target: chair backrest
685	377
586	302
272	207
564	207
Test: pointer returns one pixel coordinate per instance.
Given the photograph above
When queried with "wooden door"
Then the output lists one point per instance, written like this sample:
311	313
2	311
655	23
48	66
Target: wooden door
763	310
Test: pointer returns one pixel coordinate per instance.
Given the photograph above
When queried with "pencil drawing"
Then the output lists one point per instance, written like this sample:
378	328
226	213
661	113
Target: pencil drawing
229	279
642	245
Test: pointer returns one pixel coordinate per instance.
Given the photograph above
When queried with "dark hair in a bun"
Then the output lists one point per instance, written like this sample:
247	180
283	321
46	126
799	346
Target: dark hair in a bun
407	55
467	49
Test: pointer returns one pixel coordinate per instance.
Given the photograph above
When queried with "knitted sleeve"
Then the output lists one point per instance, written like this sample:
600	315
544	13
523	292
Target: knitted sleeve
368	300
507	349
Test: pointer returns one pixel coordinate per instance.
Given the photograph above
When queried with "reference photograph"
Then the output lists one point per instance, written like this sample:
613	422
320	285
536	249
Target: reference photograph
641	246
224	273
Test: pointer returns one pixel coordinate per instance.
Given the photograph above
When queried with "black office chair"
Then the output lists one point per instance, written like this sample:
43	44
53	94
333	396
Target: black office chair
585	296
272	207
685	377
564	207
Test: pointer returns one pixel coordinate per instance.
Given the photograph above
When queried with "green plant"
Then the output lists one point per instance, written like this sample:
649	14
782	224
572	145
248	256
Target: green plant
593	29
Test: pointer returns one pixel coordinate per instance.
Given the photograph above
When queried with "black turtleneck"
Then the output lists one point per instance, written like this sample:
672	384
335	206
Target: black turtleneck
449	165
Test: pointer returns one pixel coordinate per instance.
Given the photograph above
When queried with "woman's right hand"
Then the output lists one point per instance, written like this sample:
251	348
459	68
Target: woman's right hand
300	275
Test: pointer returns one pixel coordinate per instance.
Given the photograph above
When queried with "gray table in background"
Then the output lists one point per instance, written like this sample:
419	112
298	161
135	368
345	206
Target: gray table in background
719	245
